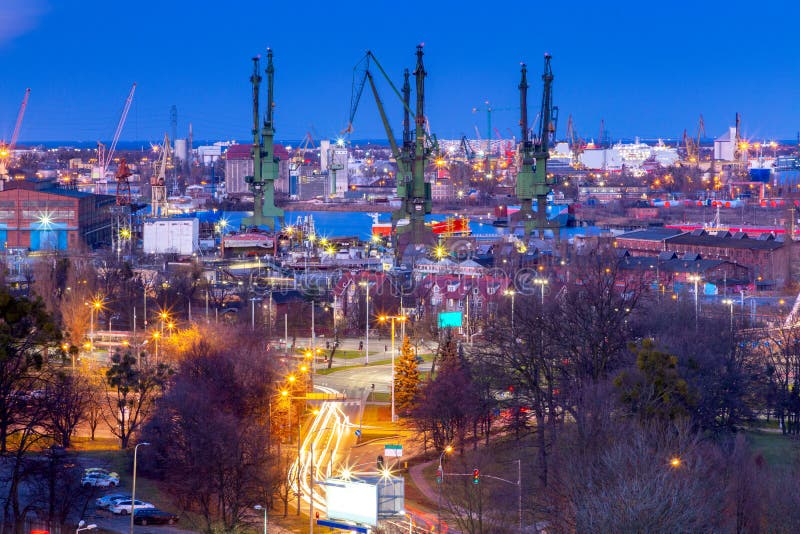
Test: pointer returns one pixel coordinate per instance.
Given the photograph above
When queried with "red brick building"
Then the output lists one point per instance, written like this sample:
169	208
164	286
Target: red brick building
39	215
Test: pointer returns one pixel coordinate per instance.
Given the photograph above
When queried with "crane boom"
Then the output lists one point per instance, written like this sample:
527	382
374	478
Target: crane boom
109	155
18	124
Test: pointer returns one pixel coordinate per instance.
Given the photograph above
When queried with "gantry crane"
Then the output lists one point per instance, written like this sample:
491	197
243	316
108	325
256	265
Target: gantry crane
532	179
7	149
265	163
411	158
159	206
576	144
105	157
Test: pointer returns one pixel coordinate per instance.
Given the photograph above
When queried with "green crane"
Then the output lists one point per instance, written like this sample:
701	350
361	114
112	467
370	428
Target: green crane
412	155
532	179
265	163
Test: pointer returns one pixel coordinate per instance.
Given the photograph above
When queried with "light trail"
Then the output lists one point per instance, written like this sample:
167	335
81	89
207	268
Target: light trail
325	435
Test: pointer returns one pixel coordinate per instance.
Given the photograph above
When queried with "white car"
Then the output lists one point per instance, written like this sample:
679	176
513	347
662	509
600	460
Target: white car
98	480
99	471
107	500
124	507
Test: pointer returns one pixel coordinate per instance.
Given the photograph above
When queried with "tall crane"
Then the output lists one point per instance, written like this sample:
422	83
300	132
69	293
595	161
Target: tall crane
532	180
576	144
411	158
105	157
158	182
7	149
265	162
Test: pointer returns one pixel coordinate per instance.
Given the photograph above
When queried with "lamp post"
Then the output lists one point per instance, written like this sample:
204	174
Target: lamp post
446	450
156	335
133	484
541	282
392	318
260	507
511	293
730	303
696	279
365	284
96	304
82	528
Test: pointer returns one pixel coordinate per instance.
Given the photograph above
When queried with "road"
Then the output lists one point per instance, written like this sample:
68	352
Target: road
353	381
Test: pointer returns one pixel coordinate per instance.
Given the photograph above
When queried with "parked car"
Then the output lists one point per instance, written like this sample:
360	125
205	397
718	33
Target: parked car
100	470
124	507
107	500
98	480
154	516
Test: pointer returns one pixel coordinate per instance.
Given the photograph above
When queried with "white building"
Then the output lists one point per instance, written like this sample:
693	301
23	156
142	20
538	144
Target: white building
725	146
171	236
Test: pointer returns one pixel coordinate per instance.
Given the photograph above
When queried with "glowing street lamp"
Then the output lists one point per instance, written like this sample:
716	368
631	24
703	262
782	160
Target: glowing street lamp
541	282
730	303
393	318
511	293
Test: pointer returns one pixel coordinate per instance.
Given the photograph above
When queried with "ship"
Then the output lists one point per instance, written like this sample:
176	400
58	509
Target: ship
555	212
458	226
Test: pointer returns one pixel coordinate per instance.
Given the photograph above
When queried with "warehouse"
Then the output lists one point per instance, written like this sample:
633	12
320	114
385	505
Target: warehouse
40	215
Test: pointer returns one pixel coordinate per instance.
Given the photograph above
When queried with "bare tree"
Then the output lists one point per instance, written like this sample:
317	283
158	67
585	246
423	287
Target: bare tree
67	396
131	394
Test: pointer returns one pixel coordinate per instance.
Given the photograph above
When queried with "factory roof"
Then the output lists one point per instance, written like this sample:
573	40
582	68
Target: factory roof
704	239
245	152
651	234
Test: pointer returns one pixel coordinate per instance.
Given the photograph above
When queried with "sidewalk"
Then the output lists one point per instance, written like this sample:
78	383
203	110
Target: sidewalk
422	485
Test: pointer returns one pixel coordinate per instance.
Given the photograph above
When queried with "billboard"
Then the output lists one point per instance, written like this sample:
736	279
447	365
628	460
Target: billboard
450	319
352	501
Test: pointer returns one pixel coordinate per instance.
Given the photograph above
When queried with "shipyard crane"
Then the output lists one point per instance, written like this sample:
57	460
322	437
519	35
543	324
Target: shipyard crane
7	149
123	185
576	144
532	179
265	163
299	157
158	182
418	145
105	157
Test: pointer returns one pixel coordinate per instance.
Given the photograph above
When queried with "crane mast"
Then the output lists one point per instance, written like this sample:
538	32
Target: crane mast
105	157
5	151
532	179
265	163
158	182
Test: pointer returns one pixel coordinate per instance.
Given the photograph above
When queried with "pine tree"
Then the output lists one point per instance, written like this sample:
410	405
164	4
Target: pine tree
406	378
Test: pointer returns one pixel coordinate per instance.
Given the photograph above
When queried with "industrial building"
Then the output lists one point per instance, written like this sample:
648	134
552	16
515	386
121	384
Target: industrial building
239	163
171	236
40	215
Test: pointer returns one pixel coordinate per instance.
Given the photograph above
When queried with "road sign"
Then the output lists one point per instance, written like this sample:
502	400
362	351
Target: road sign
342	526
358	432
395	451
450	320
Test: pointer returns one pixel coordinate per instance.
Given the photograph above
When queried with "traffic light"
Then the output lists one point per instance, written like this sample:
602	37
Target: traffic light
439	474
476	473
380	462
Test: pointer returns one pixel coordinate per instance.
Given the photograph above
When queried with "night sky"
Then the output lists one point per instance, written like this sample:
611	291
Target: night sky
647	68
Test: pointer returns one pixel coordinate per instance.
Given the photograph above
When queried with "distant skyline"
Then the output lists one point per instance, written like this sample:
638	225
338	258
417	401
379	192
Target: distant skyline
646	69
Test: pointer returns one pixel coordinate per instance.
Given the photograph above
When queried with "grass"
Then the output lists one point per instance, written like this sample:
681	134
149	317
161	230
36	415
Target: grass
780	452
326	371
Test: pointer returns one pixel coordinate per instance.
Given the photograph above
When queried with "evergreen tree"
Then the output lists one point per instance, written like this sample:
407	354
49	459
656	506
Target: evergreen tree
406	378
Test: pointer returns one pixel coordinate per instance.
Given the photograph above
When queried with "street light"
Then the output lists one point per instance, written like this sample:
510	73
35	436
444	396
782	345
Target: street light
156	335
259	507
96	304
511	293
541	282
402	319
729	302
696	279
81	526
133	484
440	473
365	284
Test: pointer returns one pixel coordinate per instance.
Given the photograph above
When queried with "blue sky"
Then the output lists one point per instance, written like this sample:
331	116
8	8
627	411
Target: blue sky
648	69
